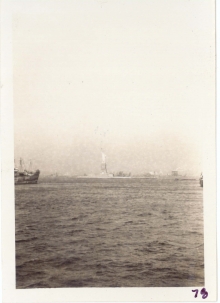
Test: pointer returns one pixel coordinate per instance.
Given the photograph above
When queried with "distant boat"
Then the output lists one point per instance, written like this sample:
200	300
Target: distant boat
201	180
23	176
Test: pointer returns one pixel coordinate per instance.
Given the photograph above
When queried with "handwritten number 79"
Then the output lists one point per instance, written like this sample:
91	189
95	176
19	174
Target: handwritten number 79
203	292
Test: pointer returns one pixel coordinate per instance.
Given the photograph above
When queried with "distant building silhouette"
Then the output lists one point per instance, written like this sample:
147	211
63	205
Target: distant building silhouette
174	173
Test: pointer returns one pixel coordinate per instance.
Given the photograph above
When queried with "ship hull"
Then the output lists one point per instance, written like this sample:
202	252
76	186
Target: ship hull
20	182
201	181
27	178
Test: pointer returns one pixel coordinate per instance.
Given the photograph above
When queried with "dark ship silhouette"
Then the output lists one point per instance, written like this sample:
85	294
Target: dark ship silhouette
201	180
23	176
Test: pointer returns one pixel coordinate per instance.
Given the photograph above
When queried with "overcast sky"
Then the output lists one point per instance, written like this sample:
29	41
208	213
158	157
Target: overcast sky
129	77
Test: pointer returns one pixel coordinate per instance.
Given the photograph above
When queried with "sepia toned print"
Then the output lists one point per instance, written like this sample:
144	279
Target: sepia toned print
90	89
110	101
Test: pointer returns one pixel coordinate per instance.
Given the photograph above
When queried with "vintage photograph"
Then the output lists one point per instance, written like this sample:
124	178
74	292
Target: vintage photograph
109	110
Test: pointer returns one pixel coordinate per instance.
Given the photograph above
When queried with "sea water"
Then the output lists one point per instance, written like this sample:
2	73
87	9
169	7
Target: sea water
109	233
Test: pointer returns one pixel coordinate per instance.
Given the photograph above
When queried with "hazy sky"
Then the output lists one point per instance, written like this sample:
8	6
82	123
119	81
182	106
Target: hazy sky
130	77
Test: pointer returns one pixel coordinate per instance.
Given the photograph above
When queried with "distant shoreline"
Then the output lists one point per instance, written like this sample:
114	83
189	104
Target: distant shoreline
66	179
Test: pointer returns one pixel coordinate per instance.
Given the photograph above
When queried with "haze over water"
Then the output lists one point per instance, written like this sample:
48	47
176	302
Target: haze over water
110	233
132	78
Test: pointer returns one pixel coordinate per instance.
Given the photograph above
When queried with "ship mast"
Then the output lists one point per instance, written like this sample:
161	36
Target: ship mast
30	166
21	169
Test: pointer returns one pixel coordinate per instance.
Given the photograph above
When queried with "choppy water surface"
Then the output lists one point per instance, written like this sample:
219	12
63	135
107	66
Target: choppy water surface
109	233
